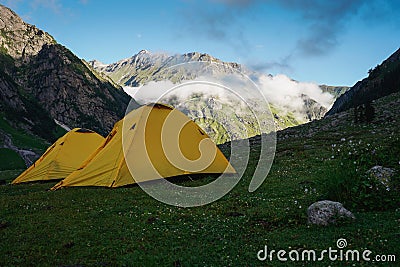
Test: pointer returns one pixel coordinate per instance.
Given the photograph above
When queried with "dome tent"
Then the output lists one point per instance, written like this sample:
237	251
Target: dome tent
63	157
147	136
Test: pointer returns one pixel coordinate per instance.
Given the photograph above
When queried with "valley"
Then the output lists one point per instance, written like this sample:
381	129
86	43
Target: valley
330	141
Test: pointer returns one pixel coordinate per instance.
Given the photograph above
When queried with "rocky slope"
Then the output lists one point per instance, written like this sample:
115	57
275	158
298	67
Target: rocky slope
42	82
383	80
19	39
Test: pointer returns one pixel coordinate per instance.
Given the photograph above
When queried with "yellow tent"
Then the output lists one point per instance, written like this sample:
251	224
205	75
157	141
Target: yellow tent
63	157
156	141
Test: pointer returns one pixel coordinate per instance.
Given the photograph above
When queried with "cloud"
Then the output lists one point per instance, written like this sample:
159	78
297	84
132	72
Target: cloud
53	5
162	91
282	65
324	22
326	19
284	93
203	20
239	3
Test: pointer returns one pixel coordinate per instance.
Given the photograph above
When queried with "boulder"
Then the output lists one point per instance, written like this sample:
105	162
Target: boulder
326	212
381	175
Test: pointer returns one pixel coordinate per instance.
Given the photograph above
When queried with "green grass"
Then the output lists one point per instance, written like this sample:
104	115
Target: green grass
13	160
21	139
286	120
9	175
126	227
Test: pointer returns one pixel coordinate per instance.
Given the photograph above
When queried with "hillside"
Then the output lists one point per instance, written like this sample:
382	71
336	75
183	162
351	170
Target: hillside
124	226
94	226
44	85
383	80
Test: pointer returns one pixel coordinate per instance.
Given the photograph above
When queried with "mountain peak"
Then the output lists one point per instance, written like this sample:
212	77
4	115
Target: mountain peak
96	63
39	79
20	39
143	51
8	17
160	66
197	56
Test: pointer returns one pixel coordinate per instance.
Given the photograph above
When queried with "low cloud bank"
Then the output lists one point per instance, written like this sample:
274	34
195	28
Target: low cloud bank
281	91
284	93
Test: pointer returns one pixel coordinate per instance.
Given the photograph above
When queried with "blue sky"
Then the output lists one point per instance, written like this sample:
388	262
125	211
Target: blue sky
328	42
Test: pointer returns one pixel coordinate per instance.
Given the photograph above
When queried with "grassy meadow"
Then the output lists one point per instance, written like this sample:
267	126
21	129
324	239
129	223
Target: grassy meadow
325	159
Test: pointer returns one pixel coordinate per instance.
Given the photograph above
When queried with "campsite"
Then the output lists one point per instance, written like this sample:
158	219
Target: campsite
199	133
125	226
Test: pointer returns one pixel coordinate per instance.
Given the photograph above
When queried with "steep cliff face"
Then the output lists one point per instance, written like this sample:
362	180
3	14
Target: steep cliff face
42	82
20	108
71	93
383	80
19	39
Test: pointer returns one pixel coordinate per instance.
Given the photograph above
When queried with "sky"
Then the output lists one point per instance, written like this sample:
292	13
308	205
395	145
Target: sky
326	42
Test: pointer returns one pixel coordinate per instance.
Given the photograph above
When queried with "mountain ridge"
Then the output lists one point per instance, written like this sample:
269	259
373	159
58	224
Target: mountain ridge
44	85
383	80
146	67
20	39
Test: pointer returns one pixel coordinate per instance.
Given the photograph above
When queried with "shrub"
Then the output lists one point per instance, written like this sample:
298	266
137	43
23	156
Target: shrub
349	185
10	160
